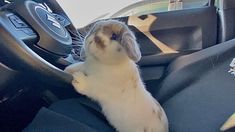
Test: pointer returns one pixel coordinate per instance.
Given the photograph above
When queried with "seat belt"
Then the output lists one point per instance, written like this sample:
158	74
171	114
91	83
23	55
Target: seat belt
232	65
229	124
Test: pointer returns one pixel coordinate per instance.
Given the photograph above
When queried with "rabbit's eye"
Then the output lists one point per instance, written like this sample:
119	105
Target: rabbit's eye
114	36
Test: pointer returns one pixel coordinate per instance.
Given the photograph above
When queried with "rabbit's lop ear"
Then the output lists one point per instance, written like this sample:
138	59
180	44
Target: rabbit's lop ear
132	48
82	53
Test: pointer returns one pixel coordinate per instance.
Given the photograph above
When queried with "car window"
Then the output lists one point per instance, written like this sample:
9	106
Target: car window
83	12
217	3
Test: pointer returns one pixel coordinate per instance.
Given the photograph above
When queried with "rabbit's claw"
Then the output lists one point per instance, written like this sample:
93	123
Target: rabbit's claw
79	82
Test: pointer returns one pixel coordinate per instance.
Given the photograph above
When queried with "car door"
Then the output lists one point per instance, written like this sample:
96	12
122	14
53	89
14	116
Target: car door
166	35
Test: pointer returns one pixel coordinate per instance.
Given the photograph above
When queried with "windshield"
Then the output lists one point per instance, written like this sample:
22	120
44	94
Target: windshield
83	12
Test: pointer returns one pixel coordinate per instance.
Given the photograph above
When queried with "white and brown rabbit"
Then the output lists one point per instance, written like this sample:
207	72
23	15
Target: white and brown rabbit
110	76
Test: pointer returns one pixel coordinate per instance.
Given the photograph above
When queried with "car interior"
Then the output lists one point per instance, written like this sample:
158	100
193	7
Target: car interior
187	64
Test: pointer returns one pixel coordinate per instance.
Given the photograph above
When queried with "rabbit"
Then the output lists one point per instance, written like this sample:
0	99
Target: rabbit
110	76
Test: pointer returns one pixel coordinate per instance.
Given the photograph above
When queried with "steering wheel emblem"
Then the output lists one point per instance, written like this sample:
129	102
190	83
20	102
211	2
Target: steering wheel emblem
50	22
54	21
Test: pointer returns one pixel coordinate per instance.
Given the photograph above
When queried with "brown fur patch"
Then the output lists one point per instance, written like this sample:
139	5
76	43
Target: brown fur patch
123	90
119	49
99	42
134	81
154	112
90	42
85	74
159	113
107	30
157	103
161	110
145	129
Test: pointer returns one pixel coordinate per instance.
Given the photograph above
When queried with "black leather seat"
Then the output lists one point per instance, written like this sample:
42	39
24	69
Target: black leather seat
198	95
198	92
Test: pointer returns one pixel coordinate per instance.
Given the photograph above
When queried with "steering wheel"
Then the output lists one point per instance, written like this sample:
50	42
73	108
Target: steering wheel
27	24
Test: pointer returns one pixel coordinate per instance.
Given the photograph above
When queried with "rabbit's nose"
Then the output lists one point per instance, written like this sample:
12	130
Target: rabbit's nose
97	39
99	42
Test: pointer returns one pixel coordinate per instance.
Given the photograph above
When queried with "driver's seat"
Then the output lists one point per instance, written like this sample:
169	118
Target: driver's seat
198	95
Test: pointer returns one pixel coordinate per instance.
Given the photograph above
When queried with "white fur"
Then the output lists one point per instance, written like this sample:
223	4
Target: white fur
118	88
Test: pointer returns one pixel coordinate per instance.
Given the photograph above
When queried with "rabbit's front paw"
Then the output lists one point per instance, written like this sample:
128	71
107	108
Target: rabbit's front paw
79	82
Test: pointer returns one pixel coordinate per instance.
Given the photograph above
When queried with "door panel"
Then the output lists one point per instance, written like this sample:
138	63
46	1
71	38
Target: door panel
167	35
181	31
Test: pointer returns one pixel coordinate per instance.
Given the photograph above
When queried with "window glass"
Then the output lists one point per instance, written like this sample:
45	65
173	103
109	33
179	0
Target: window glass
217	3
83	12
